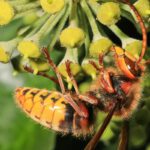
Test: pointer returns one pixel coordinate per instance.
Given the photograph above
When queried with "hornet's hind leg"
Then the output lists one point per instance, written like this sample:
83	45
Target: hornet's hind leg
94	141
124	137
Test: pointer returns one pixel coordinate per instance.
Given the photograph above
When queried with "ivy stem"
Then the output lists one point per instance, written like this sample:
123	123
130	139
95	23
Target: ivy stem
95	6
58	16
125	39
60	27
128	9
73	14
25	7
22	14
18	2
44	27
71	54
86	31
118	32
94	27
49	25
38	24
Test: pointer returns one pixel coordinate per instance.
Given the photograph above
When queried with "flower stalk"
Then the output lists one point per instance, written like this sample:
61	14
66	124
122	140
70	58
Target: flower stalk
100	44
92	21
18	2
60	27
131	45
25	7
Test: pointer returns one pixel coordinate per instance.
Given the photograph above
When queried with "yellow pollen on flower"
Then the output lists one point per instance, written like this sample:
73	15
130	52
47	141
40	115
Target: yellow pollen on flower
99	46
6	12
29	49
4	56
52	6
72	37
109	13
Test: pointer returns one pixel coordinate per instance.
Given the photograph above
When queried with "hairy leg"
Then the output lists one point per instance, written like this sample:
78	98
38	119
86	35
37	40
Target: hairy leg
53	66
94	141
88	99
28	69
124	136
75	106
105	75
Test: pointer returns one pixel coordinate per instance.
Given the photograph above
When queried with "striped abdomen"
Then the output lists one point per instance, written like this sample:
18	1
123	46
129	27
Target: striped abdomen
50	109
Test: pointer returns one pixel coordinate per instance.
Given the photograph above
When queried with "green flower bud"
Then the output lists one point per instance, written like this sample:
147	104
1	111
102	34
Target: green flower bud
134	48
100	46
109	13
143	7
72	37
39	65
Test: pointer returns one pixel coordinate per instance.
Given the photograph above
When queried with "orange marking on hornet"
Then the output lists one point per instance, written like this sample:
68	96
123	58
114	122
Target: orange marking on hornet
47	115
37	109
28	104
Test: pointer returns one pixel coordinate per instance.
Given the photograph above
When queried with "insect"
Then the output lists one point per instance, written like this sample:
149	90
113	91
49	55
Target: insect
61	111
120	89
51	110
72	112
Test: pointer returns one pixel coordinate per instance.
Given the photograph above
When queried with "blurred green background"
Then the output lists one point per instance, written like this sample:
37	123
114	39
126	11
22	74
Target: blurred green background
18	132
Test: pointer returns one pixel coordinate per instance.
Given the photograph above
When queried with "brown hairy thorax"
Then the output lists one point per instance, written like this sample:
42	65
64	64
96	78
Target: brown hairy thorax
128	92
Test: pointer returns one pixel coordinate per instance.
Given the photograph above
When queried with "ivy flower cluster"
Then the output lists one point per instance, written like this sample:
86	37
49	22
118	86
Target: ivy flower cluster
74	30
76	26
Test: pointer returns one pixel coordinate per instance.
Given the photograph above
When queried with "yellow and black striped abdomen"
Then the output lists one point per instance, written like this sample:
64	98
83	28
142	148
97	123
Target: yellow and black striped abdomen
50	109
